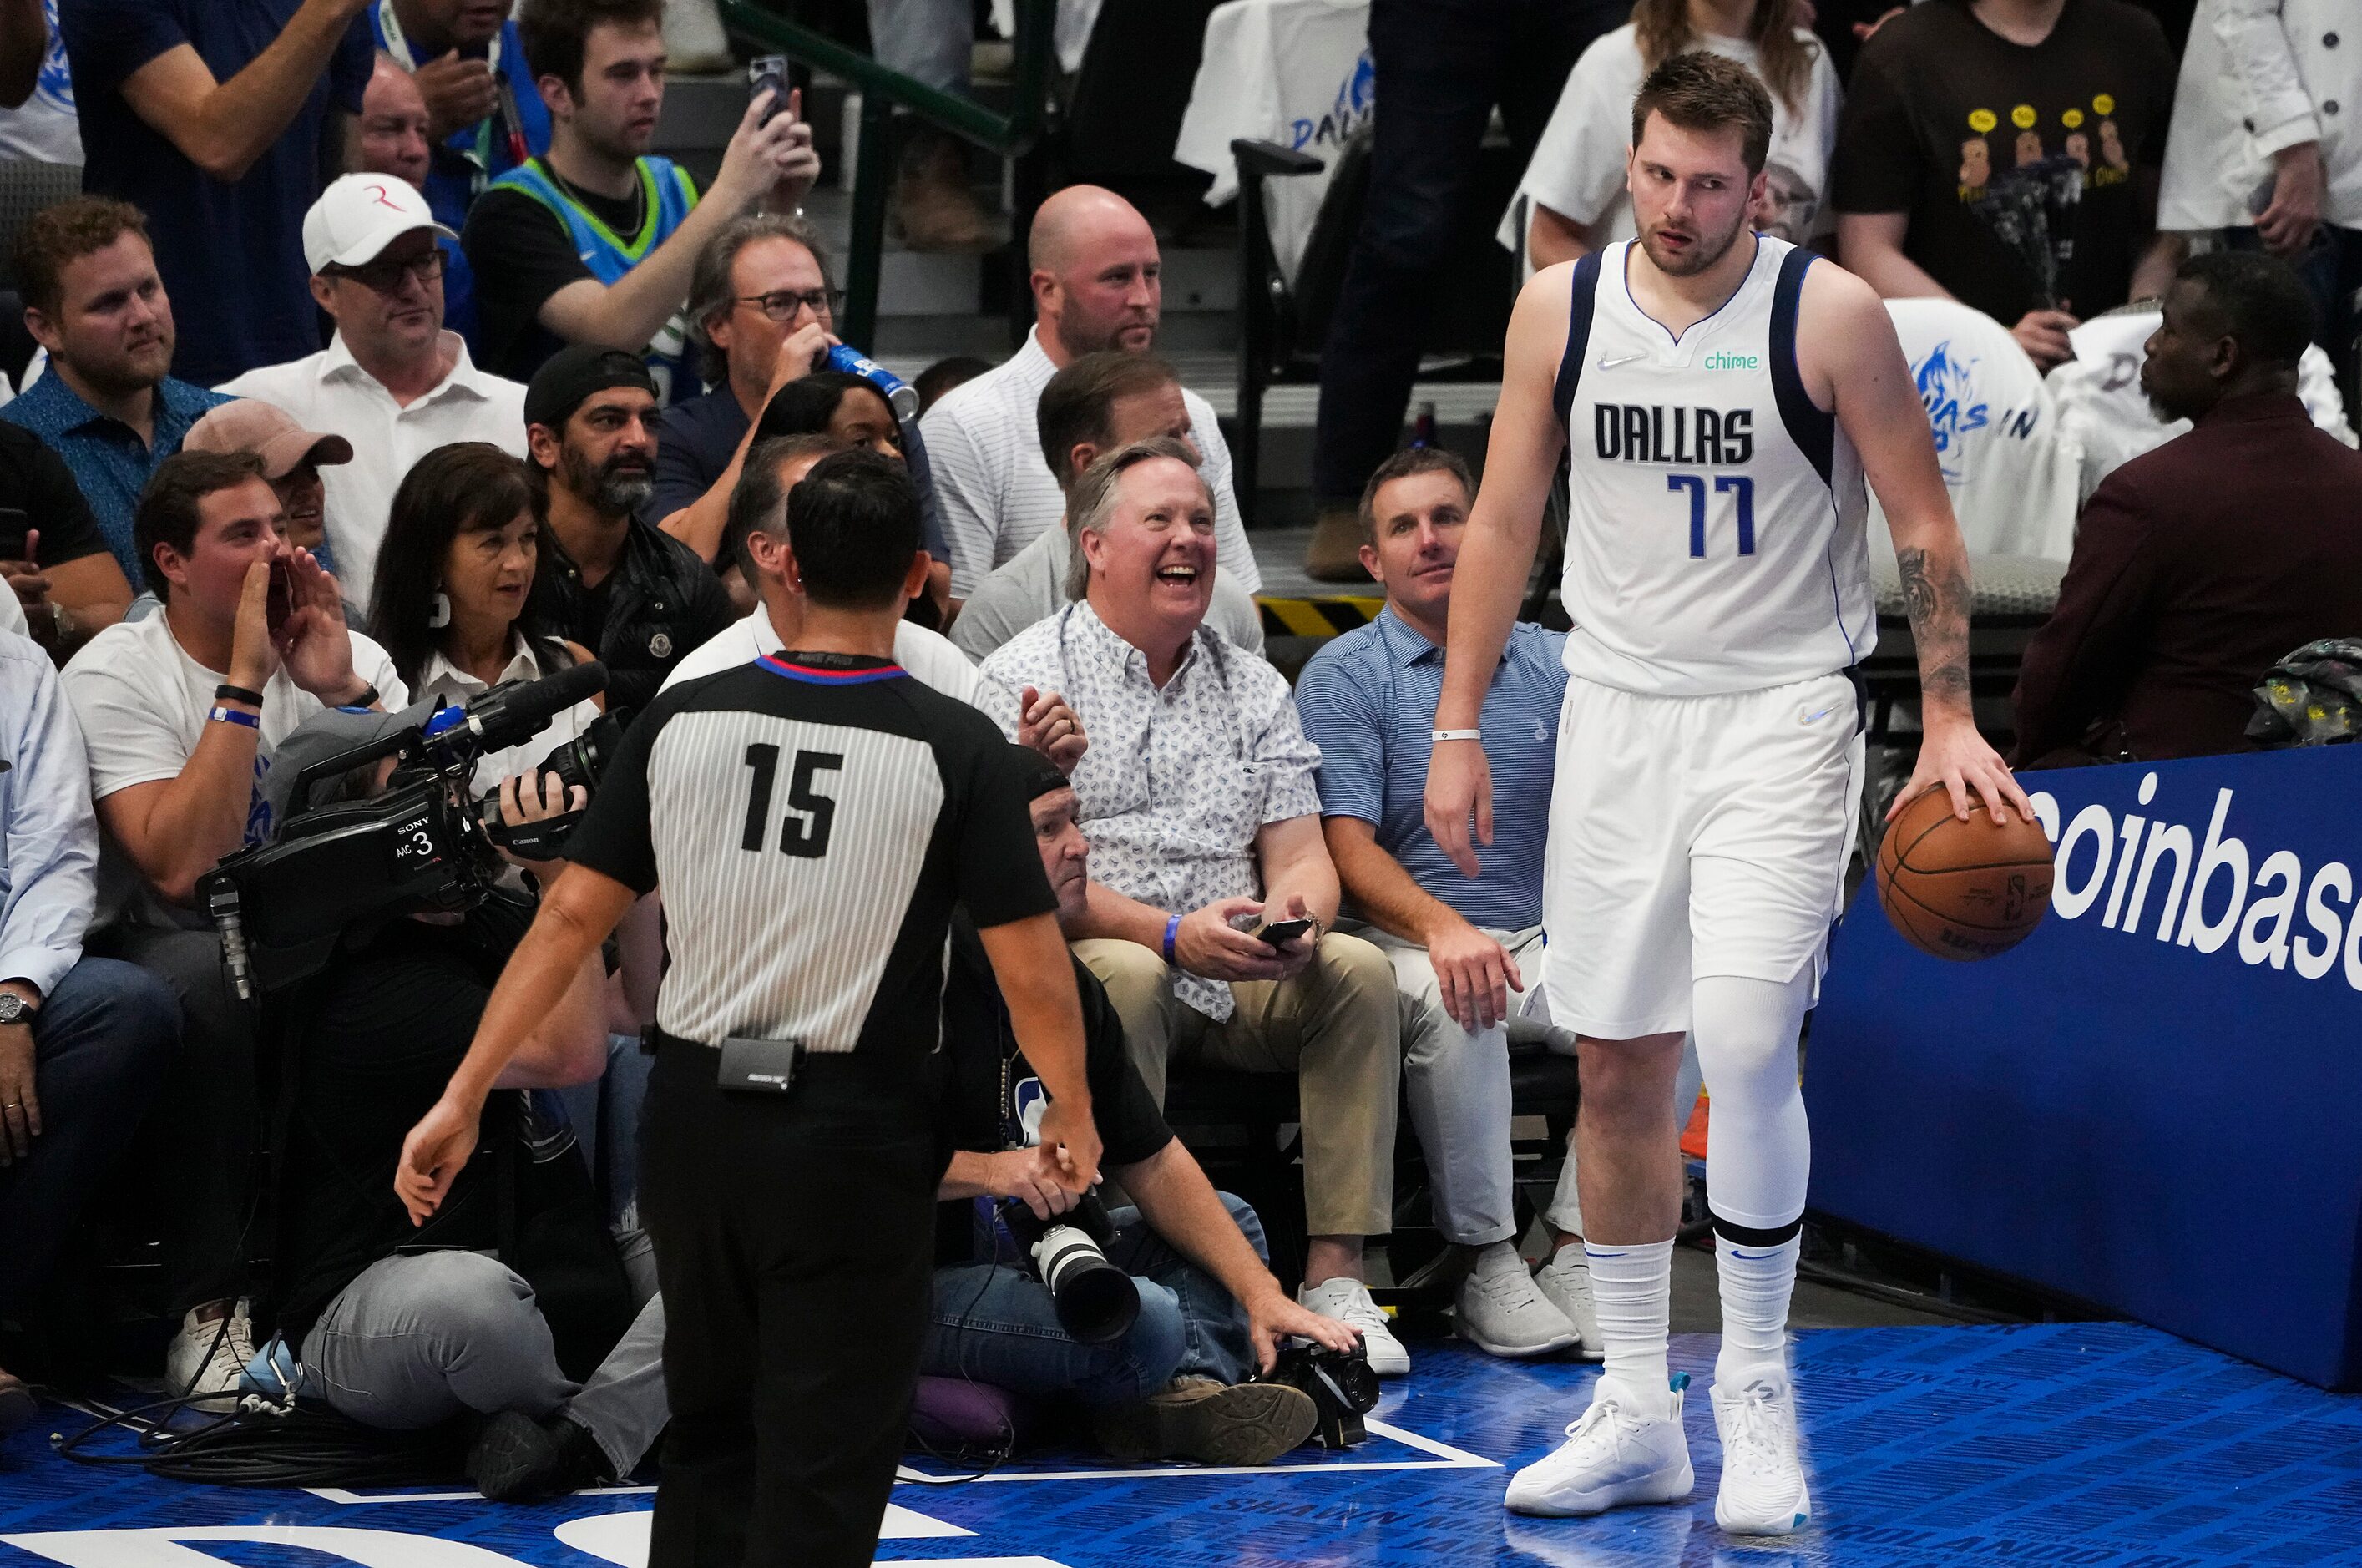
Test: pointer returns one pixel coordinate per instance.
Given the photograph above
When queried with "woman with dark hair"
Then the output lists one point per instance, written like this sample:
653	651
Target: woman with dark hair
852	411
453	577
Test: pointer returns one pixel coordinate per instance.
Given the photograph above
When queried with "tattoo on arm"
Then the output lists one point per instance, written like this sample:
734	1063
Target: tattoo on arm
1935	596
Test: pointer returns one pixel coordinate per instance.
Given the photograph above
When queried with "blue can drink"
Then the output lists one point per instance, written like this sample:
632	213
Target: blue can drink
900	394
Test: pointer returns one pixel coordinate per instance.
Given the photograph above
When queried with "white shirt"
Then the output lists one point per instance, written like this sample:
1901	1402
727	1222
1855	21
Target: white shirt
1179	779
995	492
142	702
1296	72
452	687
1577	169
330	393
2259	75
929	656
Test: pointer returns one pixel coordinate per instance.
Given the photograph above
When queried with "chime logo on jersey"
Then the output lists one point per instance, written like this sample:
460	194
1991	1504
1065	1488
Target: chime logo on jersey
1651	433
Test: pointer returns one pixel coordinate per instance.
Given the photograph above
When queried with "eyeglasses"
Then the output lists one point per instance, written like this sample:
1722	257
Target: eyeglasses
385	275
782	304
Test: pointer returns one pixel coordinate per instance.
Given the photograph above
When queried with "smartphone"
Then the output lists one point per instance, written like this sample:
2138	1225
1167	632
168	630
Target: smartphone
16	529
1278	930
281	600
769	73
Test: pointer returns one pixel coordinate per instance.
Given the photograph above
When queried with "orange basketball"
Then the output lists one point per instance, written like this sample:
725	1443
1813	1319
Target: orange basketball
1962	890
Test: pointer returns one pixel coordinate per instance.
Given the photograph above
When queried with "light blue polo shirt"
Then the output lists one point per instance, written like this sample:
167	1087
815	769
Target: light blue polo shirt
1367	700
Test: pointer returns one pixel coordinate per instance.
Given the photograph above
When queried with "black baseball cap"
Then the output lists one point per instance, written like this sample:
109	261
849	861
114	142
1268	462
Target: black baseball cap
570	377
1039	773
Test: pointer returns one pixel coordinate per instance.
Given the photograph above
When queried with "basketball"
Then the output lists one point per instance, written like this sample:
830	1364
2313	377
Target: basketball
1961	890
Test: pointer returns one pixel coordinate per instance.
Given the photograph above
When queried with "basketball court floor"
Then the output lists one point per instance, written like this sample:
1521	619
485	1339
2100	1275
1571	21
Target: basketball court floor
2107	1445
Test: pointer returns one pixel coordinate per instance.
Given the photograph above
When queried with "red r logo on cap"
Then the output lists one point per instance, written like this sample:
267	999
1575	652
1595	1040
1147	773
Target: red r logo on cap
384	199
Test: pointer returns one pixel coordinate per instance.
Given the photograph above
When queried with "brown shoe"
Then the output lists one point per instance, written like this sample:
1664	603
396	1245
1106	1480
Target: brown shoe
18	1405
933	207
1334	554
1198	1418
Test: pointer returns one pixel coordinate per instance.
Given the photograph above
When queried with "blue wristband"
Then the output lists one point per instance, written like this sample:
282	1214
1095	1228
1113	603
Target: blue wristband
1171	930
233	716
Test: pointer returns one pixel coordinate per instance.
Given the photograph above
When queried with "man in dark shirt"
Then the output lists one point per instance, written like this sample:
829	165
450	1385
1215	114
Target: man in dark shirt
58	566
1210	1312
613	582
213	117
2198	564
2005	153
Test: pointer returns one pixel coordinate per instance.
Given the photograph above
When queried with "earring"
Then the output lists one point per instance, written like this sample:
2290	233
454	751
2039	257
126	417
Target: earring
438	611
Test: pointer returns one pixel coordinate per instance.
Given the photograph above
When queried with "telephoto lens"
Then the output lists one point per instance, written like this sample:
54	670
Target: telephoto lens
1097	1301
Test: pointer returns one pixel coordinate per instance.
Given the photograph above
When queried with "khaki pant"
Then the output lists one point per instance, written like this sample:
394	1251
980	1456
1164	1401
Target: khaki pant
1336	1026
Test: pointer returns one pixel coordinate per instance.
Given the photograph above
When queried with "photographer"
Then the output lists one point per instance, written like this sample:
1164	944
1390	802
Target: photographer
797	810
514	1302
181	713
1210	1312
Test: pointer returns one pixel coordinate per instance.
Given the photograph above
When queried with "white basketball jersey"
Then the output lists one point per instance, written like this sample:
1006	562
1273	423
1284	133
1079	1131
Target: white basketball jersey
1716	530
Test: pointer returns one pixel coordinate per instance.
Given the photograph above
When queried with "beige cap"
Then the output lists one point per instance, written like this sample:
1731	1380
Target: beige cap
251	424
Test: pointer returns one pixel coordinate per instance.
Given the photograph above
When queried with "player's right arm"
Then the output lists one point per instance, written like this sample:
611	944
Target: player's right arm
1496	552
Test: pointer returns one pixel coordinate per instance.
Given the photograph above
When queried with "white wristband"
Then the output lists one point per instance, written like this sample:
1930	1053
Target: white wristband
1456	734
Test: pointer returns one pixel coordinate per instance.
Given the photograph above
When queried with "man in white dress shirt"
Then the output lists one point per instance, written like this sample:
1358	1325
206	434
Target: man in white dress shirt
1097	285
392	381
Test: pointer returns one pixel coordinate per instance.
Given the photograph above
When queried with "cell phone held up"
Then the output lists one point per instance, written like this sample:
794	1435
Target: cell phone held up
281	601
16	533
769	73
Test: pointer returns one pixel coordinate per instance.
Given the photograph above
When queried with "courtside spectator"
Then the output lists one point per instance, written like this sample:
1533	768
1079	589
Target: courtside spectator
1199	799
2199	564
393	381
2258	154
852	411
181	713
39	125
1441	67
1459	946
85	1043
1973	128
63	576
108	404
1097	404
1576	182
217	121
1097	285
292	459
595	241
609	579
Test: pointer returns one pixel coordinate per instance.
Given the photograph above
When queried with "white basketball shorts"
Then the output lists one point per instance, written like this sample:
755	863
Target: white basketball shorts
1693	836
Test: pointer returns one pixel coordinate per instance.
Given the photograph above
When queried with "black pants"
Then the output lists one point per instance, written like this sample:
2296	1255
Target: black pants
795	1238
1441	65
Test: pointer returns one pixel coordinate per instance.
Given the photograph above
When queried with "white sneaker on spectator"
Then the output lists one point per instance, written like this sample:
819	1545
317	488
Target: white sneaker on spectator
1565	1279
1763	1490
208	1358
1347	1301
1613	1456
1502	1312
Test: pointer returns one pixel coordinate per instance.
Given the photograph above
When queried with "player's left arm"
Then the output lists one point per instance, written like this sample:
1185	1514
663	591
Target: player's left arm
1853	365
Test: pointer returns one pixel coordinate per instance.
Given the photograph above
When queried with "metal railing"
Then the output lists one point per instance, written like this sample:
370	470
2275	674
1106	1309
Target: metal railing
884	89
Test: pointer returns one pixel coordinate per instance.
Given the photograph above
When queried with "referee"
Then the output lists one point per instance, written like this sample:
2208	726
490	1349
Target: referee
813	818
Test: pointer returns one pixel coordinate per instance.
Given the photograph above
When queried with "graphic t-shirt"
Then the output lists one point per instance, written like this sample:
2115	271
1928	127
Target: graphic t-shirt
2017	165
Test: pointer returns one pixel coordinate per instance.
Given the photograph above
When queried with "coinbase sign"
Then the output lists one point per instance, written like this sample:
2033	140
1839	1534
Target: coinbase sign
2165	1062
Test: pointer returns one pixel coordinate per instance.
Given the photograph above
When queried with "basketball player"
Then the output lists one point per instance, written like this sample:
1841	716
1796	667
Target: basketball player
1725	395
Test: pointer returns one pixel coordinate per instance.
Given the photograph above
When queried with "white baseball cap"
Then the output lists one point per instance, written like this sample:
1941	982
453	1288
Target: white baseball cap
358	215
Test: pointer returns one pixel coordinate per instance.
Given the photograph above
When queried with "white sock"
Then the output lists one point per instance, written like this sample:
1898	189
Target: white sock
1632	1287
1756	1283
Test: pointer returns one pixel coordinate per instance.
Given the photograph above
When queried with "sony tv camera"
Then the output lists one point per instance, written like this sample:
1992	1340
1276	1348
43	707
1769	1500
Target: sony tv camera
422	844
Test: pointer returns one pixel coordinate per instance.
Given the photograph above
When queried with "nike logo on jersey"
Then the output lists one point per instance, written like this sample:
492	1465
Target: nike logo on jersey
1647	433
1816	718
1620	359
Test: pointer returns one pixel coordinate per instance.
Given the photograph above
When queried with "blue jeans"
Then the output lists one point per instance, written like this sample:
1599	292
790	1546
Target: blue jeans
102	1044
996	1323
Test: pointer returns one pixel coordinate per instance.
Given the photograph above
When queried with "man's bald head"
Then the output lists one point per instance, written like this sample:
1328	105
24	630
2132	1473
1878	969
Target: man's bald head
1096	274
393	124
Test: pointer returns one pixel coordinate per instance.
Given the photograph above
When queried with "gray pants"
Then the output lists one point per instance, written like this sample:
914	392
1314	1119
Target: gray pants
929	39
419	1337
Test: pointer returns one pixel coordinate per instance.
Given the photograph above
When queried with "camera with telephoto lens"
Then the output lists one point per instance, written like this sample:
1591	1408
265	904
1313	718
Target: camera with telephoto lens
420	846
1097	1301
1342	1389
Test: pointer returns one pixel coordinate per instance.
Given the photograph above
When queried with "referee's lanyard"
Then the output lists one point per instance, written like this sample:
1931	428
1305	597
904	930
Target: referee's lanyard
480	155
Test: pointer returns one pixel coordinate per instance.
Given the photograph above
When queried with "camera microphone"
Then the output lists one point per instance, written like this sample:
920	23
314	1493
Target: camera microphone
511	715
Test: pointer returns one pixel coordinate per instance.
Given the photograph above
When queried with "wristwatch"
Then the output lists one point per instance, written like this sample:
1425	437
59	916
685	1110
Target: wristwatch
15	1009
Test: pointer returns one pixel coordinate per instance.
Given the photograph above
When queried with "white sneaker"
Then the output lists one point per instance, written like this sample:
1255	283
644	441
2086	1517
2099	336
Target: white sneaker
1615	1456
1763	1488
1347	1301
207	1359
1565	1281
1502	1312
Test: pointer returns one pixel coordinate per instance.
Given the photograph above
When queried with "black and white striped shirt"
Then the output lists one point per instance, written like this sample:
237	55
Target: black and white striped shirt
813	818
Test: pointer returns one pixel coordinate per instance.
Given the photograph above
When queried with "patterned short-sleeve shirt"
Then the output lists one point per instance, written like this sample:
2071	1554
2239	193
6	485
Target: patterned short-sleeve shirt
1178	781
